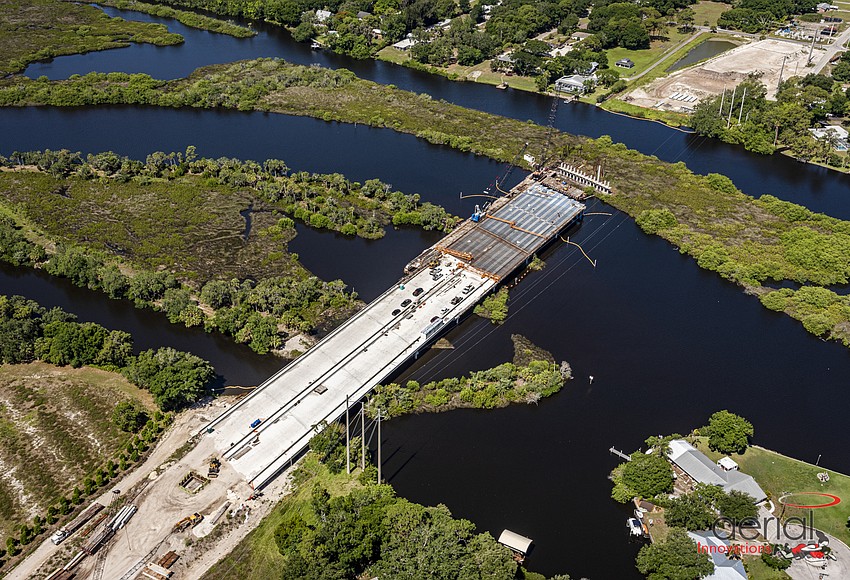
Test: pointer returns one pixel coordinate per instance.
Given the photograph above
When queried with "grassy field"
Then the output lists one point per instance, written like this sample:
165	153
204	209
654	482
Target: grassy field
33	30
54	429
778	474
184	225
706	12
666	117
257	556
479	73
758	570
645	57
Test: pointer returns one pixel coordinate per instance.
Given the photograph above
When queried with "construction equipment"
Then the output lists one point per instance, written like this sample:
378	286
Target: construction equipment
511	167
187	522
76	524
215	467
550	129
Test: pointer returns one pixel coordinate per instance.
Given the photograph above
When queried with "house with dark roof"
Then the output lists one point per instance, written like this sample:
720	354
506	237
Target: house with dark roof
625	63
701	469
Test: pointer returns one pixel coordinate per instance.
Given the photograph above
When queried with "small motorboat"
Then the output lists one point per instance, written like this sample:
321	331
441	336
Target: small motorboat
634	527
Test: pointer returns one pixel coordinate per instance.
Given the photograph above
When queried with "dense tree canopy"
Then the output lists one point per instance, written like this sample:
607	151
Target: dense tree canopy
676	558
175	379
727	432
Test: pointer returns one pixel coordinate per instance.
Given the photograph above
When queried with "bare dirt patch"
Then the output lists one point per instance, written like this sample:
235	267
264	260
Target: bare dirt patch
682	90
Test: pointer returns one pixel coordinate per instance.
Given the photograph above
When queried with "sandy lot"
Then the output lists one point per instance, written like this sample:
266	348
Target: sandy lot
162	502
682	90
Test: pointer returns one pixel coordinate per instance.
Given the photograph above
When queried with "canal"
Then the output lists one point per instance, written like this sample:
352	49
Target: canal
667	342
818	188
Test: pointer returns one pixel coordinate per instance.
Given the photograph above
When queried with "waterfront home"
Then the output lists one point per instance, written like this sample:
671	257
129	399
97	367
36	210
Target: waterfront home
575	83
693	464
725	568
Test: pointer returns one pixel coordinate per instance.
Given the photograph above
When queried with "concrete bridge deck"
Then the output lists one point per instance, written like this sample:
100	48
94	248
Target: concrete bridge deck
394	328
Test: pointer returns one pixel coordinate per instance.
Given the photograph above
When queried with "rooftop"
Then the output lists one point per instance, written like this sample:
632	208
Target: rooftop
703	470
724	567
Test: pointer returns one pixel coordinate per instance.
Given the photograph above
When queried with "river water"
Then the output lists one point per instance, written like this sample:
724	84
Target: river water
667	342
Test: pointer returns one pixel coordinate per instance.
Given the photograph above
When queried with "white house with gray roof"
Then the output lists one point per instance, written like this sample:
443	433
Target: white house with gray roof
703	470
725	568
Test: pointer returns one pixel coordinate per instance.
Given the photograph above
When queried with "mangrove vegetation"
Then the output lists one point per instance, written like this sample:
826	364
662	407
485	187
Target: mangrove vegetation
32	30
169	233
752	242
531	376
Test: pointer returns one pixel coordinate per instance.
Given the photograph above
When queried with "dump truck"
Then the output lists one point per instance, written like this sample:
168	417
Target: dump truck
215	467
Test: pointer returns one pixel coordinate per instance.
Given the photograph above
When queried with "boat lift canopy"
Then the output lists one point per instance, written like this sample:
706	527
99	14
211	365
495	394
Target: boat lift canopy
515	542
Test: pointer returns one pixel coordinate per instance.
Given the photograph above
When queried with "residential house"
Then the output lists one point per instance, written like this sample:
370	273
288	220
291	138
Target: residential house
836	133
575	83
323	15
625	63
701	469
725	568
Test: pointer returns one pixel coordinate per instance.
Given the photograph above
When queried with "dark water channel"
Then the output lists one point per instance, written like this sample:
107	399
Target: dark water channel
706	50
818	188
667	342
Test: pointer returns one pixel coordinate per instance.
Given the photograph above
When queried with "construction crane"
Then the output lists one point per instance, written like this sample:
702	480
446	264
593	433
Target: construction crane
511	167
550	129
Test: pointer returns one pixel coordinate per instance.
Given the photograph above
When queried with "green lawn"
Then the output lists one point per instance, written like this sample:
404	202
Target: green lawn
758	570
778	474
706	13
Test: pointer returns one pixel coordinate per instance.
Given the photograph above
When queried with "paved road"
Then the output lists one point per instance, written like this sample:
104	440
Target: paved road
831	50
800	570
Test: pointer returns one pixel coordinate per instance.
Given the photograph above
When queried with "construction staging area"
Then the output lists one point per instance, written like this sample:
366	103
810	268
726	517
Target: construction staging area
682	90
242	450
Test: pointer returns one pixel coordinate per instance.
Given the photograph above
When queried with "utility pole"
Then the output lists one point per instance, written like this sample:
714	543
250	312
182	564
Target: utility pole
363	436
741	112
811	49
722	99
347	439
782	70
731	106
379	418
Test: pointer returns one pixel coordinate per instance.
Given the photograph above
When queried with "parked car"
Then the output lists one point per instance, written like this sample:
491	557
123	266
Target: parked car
418	291
397	311
406	303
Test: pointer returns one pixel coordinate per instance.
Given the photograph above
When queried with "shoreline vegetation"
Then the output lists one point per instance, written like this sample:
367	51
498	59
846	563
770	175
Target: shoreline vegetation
532	375
78	409
33	30
340	525
185	17
170	234
755	243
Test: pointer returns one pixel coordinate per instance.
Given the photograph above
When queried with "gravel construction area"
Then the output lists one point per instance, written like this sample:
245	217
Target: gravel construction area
682	90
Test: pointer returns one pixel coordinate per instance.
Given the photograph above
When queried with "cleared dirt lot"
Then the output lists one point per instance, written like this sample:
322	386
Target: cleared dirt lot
724	71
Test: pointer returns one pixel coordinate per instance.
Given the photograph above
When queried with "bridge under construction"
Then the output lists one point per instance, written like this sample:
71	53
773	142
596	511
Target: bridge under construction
264	432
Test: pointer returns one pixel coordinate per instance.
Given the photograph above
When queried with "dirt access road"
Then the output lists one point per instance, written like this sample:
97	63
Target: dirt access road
162	503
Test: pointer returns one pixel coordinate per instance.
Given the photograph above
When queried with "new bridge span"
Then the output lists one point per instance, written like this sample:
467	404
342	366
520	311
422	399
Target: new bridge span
261	434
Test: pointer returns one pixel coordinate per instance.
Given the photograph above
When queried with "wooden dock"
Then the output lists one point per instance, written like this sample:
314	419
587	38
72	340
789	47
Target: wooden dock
620	454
